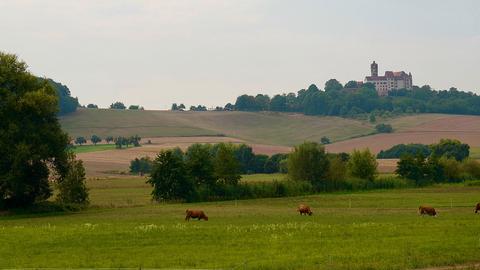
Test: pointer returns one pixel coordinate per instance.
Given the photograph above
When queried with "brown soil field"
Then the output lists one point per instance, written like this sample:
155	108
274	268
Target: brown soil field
112	162
463	128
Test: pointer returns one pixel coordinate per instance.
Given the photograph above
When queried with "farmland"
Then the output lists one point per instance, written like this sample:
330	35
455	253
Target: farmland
366	230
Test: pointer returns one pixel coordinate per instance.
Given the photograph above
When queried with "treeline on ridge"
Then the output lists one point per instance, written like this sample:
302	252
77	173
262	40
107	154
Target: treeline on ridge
352	99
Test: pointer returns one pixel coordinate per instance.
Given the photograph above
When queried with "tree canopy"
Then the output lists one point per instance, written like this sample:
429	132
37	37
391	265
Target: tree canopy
31	140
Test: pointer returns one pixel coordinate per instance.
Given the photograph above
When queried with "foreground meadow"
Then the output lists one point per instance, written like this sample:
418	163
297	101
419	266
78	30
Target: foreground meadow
367	230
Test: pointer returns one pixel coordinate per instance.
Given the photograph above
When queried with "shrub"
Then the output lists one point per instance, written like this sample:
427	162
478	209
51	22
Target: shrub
452	169
472	168
451	149
384	128
362	164
401	149
72	188
141	165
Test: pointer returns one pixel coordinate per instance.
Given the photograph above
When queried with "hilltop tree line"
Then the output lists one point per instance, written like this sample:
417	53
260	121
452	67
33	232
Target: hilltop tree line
352	99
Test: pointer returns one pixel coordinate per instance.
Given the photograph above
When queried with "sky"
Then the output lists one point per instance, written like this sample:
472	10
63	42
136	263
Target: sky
155	53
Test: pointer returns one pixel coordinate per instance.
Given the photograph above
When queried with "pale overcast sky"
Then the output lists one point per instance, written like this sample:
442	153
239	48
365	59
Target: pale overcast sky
154	53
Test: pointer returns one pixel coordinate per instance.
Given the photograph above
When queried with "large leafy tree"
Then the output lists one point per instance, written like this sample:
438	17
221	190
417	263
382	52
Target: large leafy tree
199	163
169	177
32	143
226	166
308	162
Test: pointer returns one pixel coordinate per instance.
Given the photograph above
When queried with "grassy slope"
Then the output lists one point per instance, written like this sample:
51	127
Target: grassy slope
265	128
381	230
92	148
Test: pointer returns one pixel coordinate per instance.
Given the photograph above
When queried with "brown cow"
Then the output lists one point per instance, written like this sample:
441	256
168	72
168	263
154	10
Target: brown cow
427	210
195	214
304	209
477	208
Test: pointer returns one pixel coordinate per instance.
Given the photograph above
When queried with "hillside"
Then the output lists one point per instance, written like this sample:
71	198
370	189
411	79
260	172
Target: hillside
263	127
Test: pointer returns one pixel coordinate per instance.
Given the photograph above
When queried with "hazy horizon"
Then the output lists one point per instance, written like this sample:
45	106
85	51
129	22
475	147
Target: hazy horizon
155	53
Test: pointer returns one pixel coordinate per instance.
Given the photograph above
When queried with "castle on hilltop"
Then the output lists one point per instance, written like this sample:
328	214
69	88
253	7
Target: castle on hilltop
391	80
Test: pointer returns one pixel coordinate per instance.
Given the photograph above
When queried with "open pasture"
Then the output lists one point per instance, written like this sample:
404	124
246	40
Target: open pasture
366	230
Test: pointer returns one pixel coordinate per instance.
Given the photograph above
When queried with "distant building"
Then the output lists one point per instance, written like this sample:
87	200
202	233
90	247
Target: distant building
391	80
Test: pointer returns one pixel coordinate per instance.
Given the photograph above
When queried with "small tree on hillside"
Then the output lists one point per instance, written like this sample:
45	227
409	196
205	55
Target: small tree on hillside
95	139
384	128
80	140
325	140
169	178
109	139
118	106
92	106
362	164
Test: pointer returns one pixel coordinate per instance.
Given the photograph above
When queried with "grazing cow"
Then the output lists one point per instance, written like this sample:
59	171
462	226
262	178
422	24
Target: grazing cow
195	214
304	209
477	208
427	210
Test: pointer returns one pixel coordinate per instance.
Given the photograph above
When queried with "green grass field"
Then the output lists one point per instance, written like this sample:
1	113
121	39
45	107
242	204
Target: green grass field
92	148
365	230
475	152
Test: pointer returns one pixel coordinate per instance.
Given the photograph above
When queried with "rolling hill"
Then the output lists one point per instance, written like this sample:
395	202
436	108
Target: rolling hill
262	127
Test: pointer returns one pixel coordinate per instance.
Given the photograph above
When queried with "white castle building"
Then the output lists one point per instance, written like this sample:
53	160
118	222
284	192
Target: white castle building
391	80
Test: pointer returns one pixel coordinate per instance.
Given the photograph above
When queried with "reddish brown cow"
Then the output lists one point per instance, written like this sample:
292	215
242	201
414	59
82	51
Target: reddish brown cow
195	214
477	208
304	209
427	210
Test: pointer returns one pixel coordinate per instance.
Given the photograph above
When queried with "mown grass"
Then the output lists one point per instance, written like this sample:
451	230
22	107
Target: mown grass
363	230
92	148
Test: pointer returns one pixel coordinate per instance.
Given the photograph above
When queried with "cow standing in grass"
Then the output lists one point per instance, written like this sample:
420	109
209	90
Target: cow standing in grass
427	210
477	208
195	214
304	209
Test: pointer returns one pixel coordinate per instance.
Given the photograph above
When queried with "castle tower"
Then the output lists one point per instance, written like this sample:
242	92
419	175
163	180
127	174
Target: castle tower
374	69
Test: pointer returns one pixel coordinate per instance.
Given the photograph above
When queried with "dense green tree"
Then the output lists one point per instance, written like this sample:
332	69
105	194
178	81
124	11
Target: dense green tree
134	107
67	103
308	162
351	84
333	85
384	128
95	139
451	149
169	178
32	143
92	106
401	149
73	187
413	168
80	140
272	165
141	165
278	103
245	156
199	163
262	102
174	107
226	166
246	103
118	106
109	139
362	164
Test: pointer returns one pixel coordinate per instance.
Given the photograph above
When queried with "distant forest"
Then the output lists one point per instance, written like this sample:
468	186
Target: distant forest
353	99
67	103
